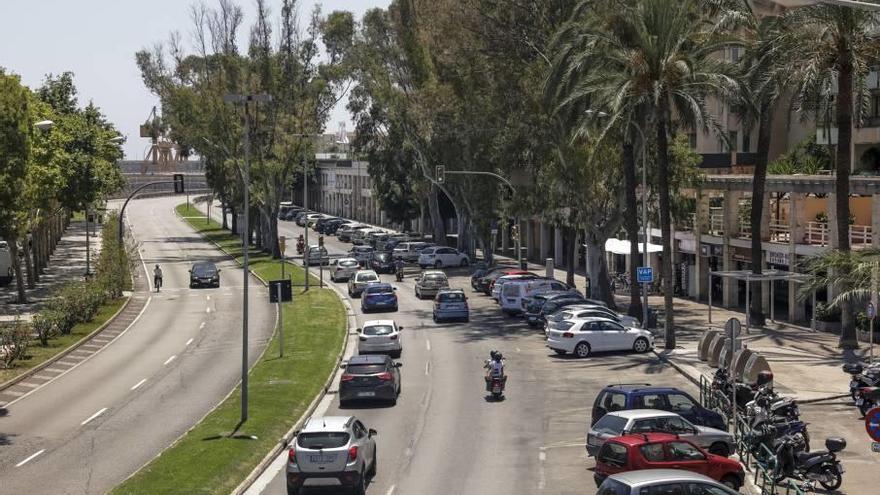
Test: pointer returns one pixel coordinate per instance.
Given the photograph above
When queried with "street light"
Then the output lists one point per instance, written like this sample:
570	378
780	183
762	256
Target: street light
644	145
244	99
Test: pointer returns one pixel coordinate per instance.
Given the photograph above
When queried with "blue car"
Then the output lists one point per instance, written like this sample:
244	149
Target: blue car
451	304
624	397
378	296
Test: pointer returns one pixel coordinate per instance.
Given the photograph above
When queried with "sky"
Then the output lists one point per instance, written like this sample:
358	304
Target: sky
97	40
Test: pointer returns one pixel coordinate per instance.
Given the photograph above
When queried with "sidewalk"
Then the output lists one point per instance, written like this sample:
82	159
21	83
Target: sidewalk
66	264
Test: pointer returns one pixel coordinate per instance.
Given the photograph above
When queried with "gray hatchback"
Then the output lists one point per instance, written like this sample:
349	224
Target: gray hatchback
661	481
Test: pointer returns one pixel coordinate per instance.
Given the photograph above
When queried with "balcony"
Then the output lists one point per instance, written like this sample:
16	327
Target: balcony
779	232
818	234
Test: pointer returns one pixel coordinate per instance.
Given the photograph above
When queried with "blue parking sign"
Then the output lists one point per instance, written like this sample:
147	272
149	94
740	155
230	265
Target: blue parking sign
645	274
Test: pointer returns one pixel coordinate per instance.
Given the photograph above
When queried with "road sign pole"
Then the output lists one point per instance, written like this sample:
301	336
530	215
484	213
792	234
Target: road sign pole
875	278
280	322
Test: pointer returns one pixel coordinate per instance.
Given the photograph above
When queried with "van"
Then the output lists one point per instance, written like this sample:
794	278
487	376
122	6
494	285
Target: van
409	251
6	271
515	291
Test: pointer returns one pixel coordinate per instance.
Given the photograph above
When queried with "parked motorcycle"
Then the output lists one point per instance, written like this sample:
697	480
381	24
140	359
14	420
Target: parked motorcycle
745	392
820	466
770	434
770	406
300	247
867	398
862	376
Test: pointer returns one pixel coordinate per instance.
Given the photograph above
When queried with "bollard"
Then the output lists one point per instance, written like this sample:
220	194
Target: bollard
549	268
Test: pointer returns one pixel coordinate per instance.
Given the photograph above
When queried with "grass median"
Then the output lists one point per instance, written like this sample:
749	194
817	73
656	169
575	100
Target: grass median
208	459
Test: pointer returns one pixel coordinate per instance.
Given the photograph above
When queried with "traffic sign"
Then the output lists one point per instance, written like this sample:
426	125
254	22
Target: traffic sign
871	310
494	231
872	423
645	274
286	291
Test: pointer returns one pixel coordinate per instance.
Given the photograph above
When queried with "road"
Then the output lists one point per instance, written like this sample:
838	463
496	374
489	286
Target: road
92	427
444	437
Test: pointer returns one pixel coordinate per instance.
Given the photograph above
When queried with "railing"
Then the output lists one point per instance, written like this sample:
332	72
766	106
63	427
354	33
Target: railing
816	233
860	235
716	223
780	232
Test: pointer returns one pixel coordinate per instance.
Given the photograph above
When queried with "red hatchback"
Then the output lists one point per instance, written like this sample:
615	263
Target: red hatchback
664	451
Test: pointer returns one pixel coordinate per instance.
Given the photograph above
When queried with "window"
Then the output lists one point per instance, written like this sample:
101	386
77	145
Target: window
676	425
611	425
322	440
612	453
747	143
612	487
645	426
664	489
651	401
704	489
652	452
378	330
680	403
610	326
684	451
365	369
359	430
692	140
614	402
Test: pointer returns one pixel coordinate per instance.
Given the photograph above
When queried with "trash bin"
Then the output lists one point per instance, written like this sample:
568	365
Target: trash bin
523	265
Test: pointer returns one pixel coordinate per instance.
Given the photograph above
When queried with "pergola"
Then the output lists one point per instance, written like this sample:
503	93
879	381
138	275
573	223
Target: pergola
766	276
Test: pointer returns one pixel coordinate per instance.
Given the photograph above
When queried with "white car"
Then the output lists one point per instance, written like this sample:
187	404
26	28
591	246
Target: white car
500	281
514	292
585	336
358	282
343	269
580	311
316	255
336	450
439	256
380	336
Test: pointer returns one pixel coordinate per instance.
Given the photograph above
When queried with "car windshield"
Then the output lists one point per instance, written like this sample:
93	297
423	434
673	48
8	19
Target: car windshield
365	369
383	257
204	270
348	263
382	289
322	440
379	330
610	424
435	277
451	297
367	277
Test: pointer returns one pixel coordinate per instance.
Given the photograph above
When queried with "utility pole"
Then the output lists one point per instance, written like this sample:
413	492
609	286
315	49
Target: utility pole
245	176
306	261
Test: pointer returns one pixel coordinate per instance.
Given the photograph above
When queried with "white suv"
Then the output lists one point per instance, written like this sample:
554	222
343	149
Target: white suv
587	335
442	256
332	449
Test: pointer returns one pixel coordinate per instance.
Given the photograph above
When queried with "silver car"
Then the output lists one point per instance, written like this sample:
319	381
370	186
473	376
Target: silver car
430	282
359	281
343	269
363	254
332	451
380	336
661	481
615	424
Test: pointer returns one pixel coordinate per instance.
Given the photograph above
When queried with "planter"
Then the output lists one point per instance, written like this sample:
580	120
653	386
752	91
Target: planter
828	326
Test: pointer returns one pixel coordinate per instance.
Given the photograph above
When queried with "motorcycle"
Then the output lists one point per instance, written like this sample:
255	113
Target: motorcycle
770	434
745	392
867	398
495	383
300	247
767	405
398	273
820	466
862	376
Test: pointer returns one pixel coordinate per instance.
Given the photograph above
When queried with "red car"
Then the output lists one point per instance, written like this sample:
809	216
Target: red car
664	451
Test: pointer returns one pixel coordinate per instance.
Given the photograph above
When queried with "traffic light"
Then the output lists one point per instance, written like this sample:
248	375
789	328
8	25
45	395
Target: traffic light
178	184
441	174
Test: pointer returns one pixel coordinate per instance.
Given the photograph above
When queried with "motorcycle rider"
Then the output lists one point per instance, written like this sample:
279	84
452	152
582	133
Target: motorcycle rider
157	277
300	244
398	268
494	365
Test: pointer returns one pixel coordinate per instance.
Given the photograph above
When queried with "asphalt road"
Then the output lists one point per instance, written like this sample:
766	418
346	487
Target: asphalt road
445	437
91	428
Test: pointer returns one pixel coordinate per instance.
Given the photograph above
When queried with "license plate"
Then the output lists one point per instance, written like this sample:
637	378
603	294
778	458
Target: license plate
496	389
366	394
322	459
853	384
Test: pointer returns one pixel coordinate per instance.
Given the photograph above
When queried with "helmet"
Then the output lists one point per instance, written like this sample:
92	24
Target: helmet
493	354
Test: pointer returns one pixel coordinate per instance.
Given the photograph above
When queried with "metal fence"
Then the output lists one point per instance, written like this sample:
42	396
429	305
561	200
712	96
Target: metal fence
759	459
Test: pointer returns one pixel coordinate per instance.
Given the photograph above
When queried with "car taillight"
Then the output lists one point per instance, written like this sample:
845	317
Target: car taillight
347	378
567	335
291	455
393	337
384	376
352	453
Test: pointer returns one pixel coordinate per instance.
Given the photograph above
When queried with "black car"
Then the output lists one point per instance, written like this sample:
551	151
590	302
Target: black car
484	283
479	273
321	223
330	226
370	377
204	274
551	306
382	262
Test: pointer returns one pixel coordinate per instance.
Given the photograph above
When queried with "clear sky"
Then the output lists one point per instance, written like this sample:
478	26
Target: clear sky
97	40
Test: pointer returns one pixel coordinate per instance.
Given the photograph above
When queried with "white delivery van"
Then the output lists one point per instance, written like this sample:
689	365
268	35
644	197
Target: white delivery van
514	291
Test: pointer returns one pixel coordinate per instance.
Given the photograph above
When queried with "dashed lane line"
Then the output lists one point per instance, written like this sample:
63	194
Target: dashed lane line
138	384
188	342
93	416
172	358
30	458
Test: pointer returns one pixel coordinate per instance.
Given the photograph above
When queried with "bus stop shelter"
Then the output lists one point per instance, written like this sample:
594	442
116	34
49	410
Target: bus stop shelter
766	276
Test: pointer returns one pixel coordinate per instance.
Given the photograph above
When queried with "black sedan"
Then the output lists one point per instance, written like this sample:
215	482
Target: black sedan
204	274
370	377
382	263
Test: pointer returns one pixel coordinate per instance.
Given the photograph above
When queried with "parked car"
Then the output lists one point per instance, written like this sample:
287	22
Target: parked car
534	305
374	237
643	396
450	304
382	262
345	233
204	273
662	482
343	269
331	227
513	292
359	237
358	282
497	285
300	217
664	451
380	336
486	283
586	336
409	251
430	282
364	254
331	447
317	255
480	272
378	295
312	218
615	424
321	224
438	257
389	243
577	311
369	377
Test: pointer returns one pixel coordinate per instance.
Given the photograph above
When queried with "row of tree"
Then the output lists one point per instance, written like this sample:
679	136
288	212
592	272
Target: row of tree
67	163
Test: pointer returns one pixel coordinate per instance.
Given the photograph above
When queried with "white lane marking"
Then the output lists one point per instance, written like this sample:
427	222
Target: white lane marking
138	384
202	325
391	490
427	367
169	360
209	297
30	458
188	342
428	344
517	349
542	481
93	416
207	310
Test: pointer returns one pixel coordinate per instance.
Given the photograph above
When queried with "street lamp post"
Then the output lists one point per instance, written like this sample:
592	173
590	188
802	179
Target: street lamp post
245	173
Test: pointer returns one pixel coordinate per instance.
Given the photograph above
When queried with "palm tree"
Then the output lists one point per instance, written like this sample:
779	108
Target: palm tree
657	55
831	44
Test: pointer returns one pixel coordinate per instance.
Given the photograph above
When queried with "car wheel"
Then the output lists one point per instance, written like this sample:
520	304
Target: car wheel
437	264
418	296
361	488
582	350
731	481
434	316
372	471
467	319
719	448
464	262
292	490
640	345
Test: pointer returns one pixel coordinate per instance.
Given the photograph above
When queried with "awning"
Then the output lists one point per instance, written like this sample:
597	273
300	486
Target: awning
618	246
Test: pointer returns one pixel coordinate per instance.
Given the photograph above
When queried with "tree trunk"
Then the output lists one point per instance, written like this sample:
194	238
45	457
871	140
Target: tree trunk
16	267
665	219
631	224
29	260
570	235
765	121
224	222
436	218
234	214
848	337
597	270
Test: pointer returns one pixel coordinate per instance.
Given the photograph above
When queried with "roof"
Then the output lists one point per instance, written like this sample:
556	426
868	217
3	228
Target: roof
373	323
353	260
434	272
383	285
766	275
449	289
642	413
325	423
632	387
368	359
643	476
634	439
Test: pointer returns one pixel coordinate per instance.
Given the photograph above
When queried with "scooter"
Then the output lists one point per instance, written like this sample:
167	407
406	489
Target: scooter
770	434
300	247
398	273
867	398
862	376
820	466
495	386
770	406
